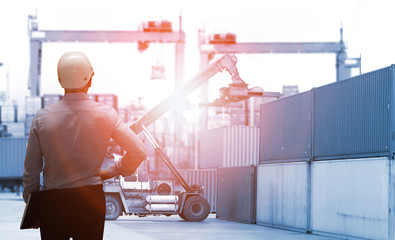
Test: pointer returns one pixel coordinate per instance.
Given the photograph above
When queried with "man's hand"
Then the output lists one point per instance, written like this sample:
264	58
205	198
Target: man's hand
104	175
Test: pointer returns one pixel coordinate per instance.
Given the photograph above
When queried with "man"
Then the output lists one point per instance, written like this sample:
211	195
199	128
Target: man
70	139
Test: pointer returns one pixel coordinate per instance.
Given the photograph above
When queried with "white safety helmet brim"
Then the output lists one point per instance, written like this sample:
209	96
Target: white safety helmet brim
74	70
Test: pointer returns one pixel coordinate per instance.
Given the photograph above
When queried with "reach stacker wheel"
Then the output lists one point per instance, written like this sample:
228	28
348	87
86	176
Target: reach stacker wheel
196	209
113	207
182	216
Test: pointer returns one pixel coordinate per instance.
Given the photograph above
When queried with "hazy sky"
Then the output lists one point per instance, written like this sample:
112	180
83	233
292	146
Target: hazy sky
122	70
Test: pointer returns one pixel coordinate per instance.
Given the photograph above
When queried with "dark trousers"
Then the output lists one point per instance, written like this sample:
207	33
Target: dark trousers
76	213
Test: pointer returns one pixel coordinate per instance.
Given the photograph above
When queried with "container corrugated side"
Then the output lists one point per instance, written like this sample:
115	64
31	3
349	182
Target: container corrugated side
285	129
8	113
229	146
206	178
16	129
12	157
237	194
124	114
351	198
32	104
352	117
282	195
241	146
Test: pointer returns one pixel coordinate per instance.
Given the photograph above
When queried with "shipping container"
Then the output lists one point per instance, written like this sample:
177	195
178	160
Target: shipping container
21	114
236	198
354	118
16	129
353	198
32	104
217	120
283	196
229	146
248	114
9	113
124	114
12	157
256	102
206	178
49	99
285	133
3	131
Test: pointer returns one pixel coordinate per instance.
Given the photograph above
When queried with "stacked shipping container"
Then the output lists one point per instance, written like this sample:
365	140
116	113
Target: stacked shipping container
237	194
342	136
229	146
12	157
206	178
232	151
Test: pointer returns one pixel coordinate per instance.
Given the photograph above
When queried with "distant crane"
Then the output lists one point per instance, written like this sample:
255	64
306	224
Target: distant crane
226	44
150	32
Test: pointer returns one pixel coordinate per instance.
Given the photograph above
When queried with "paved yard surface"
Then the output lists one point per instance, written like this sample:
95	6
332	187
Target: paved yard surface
162	227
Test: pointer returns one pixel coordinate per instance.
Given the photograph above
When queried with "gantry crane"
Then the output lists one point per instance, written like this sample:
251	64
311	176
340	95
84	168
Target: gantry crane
151	32
226	44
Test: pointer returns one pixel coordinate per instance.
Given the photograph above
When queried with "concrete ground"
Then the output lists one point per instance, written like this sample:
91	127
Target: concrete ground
162	227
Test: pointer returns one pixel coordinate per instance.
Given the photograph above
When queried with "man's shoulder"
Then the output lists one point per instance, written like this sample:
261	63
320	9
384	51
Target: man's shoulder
96	106
48	109
86	106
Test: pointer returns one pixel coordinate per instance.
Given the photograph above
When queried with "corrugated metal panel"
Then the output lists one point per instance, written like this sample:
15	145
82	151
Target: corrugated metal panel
8	113
32	104
206	178
282	195
12	157
229	146
286	129
124	114
16	129
237	194
211	147
352	117
350	197
391	200
241	146
21	114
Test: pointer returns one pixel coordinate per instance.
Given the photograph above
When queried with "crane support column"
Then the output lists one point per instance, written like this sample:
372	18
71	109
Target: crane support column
179	77
204	62
35	67
342	71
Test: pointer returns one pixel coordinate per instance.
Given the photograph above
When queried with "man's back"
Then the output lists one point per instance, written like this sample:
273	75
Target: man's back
73	136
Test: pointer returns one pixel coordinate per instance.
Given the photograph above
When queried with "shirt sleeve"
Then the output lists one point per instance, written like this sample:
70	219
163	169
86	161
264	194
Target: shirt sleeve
135	150
33	163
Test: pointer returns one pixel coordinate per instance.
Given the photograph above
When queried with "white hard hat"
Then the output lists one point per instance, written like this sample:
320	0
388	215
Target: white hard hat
74	70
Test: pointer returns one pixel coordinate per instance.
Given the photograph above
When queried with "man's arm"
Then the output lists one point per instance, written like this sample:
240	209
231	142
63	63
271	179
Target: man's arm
135	152
33	164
